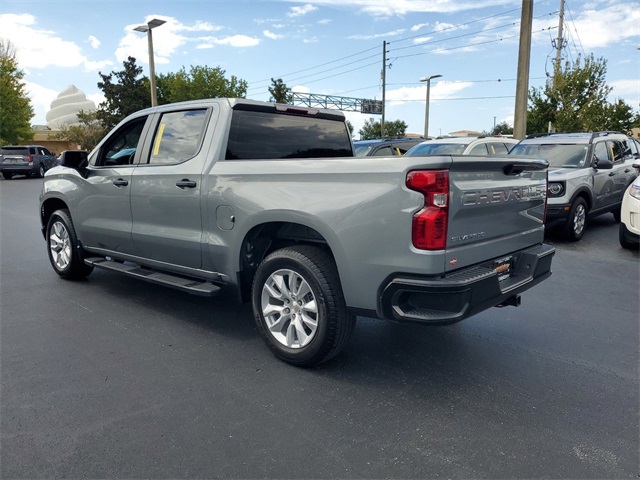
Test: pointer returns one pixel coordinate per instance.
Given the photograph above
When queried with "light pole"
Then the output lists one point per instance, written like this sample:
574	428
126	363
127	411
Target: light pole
426	110
150	25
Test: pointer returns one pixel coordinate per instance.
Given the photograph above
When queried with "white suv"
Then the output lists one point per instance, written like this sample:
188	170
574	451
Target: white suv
464	146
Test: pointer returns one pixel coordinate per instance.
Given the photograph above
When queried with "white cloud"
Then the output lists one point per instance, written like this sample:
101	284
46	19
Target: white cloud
37	48
420	40
601	27
325	21
300	11
627	90
310	40
93	41
393	33
41	98
271	35
440	90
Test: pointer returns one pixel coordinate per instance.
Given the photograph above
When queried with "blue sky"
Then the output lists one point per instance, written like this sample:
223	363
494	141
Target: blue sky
331	47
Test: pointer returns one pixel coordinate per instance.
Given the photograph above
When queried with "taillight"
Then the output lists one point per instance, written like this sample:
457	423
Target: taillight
429	229
30	158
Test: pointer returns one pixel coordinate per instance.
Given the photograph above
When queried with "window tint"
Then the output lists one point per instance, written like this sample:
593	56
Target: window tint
437	149
601	151
617	150
46	152
121	146
262	135
14	151
178	136
386	151
498	148
479	149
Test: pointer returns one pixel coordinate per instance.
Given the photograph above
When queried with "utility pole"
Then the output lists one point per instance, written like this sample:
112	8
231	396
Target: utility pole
522	81
384	80
560	40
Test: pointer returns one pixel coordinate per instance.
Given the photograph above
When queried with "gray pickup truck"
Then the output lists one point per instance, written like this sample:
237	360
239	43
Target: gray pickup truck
268	201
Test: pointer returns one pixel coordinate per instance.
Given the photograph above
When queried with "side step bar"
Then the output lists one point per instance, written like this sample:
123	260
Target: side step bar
197	287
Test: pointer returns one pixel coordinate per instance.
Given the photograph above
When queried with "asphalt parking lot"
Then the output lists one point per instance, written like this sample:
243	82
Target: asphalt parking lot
116	378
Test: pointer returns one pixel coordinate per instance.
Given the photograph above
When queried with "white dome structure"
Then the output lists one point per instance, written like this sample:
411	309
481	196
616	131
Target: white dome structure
65	108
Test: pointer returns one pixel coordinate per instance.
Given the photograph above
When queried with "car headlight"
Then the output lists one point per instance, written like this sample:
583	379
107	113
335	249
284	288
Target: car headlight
556	189
634	191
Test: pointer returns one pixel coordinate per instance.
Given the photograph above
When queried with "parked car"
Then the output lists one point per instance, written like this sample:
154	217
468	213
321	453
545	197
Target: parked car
588	174
29	160
268	202
464	146
630	214
384	147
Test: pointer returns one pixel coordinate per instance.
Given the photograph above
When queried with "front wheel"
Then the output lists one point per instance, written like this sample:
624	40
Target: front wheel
62	247
577	221
41	171
299	307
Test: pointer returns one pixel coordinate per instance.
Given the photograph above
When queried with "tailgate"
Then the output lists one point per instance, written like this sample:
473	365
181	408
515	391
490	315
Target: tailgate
496	207
15	160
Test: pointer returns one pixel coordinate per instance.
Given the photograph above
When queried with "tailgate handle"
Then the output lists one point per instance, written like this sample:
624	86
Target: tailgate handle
516	168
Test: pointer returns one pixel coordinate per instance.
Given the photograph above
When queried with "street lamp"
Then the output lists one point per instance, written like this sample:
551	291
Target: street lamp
151	24
426	110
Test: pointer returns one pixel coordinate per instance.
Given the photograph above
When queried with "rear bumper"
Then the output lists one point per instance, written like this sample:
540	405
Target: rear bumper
19	169
456	296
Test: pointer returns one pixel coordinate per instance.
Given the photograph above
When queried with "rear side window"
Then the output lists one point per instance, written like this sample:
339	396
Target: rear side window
178	136
479	149
263	135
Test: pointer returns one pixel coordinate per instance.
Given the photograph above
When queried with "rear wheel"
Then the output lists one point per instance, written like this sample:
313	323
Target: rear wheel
617	214
299	307
63	250
7	175
577	221
41	171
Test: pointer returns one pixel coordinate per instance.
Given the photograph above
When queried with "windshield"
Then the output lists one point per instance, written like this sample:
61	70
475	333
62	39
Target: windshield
558	155
437	149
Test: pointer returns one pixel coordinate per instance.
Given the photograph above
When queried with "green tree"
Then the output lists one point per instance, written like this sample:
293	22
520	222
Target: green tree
350	127
16	111
125	93
279	92
575	100
199	82
502	128
86	134
372	129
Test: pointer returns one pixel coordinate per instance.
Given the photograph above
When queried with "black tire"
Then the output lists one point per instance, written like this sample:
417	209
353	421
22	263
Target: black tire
41	171
7	175
63	248
577	220
624	241
311	317
617	214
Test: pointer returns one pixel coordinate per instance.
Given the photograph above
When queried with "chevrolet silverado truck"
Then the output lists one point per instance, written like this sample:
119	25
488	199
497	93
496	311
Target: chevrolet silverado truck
268	201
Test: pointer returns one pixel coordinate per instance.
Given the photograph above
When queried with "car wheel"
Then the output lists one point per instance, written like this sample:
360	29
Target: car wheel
624	241
62	247
617	214
7	175
41	171
577	221
299	307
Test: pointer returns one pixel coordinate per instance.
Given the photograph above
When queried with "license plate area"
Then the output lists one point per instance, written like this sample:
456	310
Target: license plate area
503	267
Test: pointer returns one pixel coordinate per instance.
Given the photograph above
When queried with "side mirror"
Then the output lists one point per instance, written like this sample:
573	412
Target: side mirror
602	164
75	159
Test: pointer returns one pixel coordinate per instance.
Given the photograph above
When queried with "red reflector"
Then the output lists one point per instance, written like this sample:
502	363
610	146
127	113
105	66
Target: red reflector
429	228
30	158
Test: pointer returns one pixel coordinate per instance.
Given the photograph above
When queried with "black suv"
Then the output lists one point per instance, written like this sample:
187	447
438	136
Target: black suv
386	147
588	174
29	160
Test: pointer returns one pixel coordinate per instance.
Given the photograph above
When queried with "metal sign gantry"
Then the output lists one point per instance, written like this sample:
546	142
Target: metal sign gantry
346	104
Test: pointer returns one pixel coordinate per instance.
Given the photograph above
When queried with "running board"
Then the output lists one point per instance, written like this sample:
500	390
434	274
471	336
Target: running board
197	287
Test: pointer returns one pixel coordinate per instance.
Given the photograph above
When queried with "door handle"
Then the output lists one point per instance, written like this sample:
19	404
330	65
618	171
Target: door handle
186	183
611	174
627	170
121	182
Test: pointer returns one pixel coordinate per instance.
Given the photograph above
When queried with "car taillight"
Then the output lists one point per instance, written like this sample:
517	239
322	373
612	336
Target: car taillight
30	158
429	228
